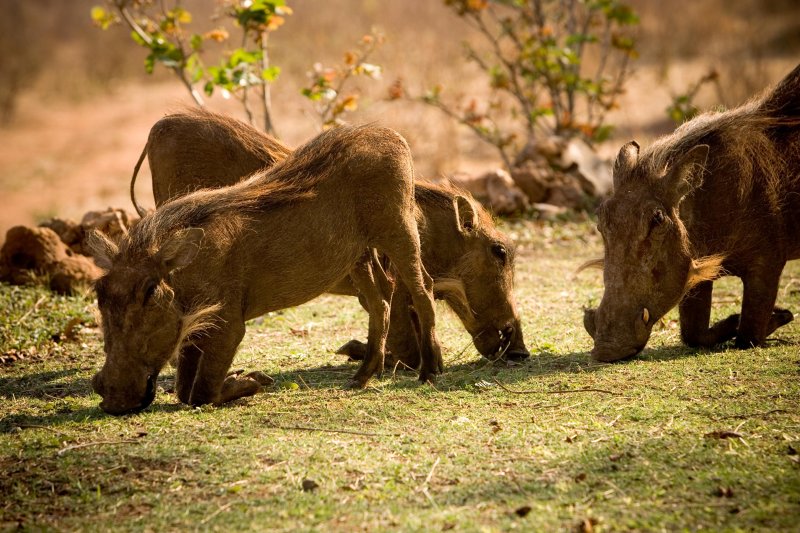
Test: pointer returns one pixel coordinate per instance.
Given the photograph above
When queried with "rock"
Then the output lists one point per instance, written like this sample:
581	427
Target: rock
594	171
505	197
532	179
38	255
549	211
495	190
547	149
567	193
475	185
73	271
69	231
115	223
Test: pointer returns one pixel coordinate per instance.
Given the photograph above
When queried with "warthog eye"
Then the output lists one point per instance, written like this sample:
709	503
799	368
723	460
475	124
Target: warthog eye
658	218
149	290
500	252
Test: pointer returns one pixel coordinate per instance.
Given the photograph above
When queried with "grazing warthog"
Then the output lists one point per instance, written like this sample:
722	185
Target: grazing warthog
186	278
719	196
471	262
198	149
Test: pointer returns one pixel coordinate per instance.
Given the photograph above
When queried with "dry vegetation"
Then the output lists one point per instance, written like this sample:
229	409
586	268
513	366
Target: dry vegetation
84	105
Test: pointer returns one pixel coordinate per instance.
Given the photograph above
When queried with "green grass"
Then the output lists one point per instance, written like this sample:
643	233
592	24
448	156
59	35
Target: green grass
647	454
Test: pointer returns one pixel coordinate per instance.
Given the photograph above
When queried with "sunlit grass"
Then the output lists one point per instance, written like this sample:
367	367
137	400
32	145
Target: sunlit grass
674	439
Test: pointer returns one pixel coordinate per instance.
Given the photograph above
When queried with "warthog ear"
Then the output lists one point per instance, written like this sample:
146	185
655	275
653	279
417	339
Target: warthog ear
180	250
626	159
686	174
102	249
466	216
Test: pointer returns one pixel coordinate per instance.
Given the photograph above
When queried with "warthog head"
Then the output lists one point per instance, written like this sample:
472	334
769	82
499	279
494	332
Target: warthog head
480	285
143	325
648	265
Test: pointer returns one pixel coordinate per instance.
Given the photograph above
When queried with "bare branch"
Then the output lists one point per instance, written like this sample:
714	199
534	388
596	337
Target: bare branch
269	126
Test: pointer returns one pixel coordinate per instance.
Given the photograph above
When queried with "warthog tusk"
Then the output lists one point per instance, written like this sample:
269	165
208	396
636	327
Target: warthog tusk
645	315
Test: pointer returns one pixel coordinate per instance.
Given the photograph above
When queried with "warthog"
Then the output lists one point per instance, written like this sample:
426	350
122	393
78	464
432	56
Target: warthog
719	196
209	261
471	262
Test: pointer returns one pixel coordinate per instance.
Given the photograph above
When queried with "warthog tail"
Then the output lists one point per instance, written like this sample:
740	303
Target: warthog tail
139	209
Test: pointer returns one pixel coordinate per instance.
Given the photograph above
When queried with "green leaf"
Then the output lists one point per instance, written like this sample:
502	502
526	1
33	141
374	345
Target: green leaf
196	41
602	133
240	55
270	74
138	39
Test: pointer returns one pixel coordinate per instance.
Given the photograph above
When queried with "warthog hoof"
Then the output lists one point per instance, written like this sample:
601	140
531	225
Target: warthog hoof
235	387
356	383
259	376
354	350
780	317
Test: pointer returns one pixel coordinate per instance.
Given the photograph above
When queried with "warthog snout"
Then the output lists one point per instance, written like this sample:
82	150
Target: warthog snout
116	403
515	351
616	339
505	343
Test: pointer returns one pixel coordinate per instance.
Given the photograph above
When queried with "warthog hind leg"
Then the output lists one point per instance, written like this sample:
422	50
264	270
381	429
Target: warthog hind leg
376	288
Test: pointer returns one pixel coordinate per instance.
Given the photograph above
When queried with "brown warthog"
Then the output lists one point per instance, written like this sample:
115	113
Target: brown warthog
471	262
198	149
211	260
719	196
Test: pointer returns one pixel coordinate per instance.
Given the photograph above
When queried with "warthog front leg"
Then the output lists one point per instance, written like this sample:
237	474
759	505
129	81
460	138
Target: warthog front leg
188	360
759	316
420	286
695	315
376	289
402	245
217	351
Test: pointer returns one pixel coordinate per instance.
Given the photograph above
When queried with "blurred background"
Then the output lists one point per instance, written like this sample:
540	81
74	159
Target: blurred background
76	104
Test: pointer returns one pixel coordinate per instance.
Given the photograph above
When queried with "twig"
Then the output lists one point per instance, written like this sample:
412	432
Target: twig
215	513
62	451
554	391
31	310
269	127
326	430
745	415
32	426
303	381
430	474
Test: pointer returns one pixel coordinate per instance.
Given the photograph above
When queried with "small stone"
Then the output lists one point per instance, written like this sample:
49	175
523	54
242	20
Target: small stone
309	485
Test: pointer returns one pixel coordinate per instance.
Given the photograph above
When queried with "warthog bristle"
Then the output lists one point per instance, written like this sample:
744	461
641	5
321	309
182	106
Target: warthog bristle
704	269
